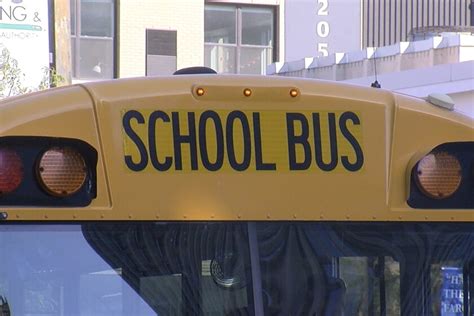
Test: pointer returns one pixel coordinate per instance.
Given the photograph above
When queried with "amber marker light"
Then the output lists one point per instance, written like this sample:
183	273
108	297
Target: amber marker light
11	171
200	92
247	92
294	93
438	175
62	171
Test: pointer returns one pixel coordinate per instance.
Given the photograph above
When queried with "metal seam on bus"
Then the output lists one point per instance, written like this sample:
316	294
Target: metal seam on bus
99	134
389	151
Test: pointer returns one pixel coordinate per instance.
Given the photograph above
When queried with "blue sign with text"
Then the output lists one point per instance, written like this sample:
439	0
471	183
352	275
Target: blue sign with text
452	292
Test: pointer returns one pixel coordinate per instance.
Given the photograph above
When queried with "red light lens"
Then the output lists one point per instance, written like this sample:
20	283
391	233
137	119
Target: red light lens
11	170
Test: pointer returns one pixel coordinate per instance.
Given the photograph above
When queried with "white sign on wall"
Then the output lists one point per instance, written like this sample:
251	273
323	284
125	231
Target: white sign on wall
24	31
321	27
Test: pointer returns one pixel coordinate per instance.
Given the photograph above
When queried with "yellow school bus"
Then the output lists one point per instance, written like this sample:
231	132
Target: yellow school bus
209	194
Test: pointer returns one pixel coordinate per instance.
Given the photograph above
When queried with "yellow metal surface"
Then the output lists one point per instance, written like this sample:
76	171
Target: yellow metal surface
360	143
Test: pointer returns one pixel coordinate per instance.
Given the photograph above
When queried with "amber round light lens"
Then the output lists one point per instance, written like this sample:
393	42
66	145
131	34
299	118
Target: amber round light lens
247	92
293	93
200	92
62	171
11	170
438	175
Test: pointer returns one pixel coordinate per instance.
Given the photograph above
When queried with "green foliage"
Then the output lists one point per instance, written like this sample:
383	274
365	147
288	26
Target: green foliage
12	77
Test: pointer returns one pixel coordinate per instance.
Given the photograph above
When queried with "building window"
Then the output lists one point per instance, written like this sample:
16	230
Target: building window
239	39
92	39
161	52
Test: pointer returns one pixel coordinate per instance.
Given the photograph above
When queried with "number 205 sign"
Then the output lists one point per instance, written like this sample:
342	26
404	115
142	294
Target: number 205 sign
322	27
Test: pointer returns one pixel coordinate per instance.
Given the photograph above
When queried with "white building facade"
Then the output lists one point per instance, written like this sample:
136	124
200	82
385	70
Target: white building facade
436	65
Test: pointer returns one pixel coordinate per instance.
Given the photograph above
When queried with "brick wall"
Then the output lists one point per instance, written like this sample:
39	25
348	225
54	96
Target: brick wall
135	16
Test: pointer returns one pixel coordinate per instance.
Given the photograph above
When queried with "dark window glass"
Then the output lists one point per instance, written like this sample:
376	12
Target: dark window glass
366	269
220	24
205	268
97	18
257	26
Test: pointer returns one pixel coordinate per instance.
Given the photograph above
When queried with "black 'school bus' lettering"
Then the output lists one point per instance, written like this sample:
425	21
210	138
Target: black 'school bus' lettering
142	163
302	140
332	141
205	117
238	116
152	141
179	139
346	116
259	164
298	142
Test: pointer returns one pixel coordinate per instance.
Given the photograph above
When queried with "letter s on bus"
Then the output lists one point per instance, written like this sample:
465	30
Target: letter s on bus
346	116
135	166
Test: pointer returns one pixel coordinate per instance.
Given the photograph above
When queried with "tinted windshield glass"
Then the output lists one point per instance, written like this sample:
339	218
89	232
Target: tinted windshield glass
237	269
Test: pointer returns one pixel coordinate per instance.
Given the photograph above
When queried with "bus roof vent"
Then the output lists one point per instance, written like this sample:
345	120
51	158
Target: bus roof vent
441	100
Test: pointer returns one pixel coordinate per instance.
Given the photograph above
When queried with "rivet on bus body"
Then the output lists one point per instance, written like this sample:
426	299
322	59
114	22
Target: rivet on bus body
130	216
157	216
426	217
3	215
212	216
101	215
247	92
74	216
200	92
268	215
374	217
17	216
321	216
294	216
46	216
348	217
239	216
185	216
400	218
452	218
294	93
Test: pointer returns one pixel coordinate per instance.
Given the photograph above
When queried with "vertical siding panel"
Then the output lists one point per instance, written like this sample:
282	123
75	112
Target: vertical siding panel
438	13
393	19
455	9
404	20
386	22
375	14
445	12
364	23
410	17
429	13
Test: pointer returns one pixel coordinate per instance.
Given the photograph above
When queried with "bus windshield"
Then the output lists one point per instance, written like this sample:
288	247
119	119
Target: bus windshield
230	268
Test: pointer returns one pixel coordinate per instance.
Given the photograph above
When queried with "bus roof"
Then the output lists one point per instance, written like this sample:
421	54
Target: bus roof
226	147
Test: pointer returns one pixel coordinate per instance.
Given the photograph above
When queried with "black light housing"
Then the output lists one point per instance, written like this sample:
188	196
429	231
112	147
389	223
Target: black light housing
444	178
33	189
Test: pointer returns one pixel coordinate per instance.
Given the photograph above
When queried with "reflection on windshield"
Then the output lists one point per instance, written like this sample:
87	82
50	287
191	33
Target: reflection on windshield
52	270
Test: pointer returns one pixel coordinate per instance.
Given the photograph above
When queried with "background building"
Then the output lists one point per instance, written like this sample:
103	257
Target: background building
111	38
324	27
103	39
441	64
